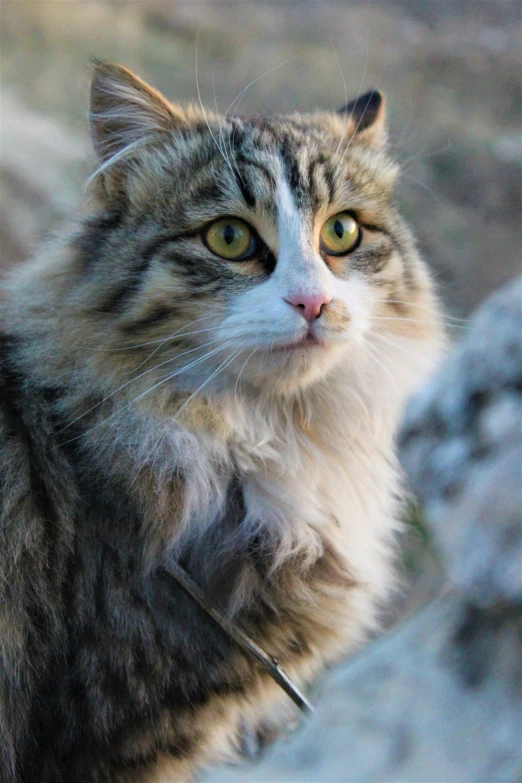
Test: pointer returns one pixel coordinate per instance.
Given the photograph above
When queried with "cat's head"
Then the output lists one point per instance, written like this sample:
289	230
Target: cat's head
264	248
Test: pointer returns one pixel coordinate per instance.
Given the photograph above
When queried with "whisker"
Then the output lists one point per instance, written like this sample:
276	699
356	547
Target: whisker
422	185
345	95
349	119
391	342
238	97
372	349
372	93
165	379
241	370
270	70
132	380
216	372
171	422
424	154
173	337
205	114
152	342
222	121
421	307
415	321
406	138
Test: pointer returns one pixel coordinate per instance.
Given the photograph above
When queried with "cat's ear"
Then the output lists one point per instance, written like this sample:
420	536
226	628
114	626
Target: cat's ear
366	118
126	112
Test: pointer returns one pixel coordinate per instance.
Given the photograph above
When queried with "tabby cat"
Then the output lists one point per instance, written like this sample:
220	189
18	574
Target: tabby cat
207	370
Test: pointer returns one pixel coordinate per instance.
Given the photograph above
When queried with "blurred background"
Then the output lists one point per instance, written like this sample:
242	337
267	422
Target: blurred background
450	70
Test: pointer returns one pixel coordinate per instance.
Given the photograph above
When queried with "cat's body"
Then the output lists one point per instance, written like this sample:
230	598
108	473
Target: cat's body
153	406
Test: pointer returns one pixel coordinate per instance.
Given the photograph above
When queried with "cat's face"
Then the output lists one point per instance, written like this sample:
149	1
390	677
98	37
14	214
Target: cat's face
258	250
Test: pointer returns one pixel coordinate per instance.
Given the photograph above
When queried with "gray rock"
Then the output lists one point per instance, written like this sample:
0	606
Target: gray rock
461	445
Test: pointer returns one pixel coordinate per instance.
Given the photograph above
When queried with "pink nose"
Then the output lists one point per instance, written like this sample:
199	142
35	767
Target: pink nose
310	306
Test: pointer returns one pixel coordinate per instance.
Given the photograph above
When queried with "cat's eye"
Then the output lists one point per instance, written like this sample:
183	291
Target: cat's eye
230	238
340	234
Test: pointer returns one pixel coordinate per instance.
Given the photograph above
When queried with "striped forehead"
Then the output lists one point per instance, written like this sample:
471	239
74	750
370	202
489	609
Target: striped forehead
252	160
297	158
239	171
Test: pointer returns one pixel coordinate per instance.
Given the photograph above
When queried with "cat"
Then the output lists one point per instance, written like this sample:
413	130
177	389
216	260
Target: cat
206	370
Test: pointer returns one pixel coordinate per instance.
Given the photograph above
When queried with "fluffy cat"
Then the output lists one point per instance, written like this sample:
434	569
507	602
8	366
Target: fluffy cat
207	370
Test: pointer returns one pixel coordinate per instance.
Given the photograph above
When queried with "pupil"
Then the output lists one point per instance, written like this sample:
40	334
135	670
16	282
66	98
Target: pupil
338	228
229	234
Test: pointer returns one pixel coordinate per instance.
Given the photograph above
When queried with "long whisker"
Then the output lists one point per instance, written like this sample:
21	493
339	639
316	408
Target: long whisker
391	342
421	307
372	93
372	350
132	380
222	141
424	154
171	422
421	184
345	99
216	372
237	100
160	341
205	114
173	337
270	70
414	321
241	370
406	138
349	119
167	378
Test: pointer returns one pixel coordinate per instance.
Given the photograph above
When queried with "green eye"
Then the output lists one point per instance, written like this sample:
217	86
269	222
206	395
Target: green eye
339	234
228	238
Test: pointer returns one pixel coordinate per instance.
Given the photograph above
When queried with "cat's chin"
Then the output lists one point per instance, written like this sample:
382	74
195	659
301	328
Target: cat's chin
285	368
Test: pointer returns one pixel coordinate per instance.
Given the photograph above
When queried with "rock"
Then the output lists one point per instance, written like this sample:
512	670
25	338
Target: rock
461	445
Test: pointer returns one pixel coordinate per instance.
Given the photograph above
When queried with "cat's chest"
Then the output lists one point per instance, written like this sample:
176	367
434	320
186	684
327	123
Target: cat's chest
285	486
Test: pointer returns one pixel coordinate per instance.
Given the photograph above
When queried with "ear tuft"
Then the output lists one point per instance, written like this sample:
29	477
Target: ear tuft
367	118
125	111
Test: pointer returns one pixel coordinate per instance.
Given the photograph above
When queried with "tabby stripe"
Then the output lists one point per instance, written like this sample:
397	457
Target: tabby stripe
91	241
255	164
250	199
373	260
372	227
157	315
207	191
328	176
293	175
11	392
316	167
118	297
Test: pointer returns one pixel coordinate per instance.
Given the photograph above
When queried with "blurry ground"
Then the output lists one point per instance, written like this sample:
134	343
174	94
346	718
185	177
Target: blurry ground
450	70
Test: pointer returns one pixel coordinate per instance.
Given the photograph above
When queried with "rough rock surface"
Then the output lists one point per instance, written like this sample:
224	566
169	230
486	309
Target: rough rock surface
462	450
439	699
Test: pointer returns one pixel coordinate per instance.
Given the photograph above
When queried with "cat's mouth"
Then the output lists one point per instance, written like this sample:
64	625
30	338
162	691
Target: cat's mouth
308	341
